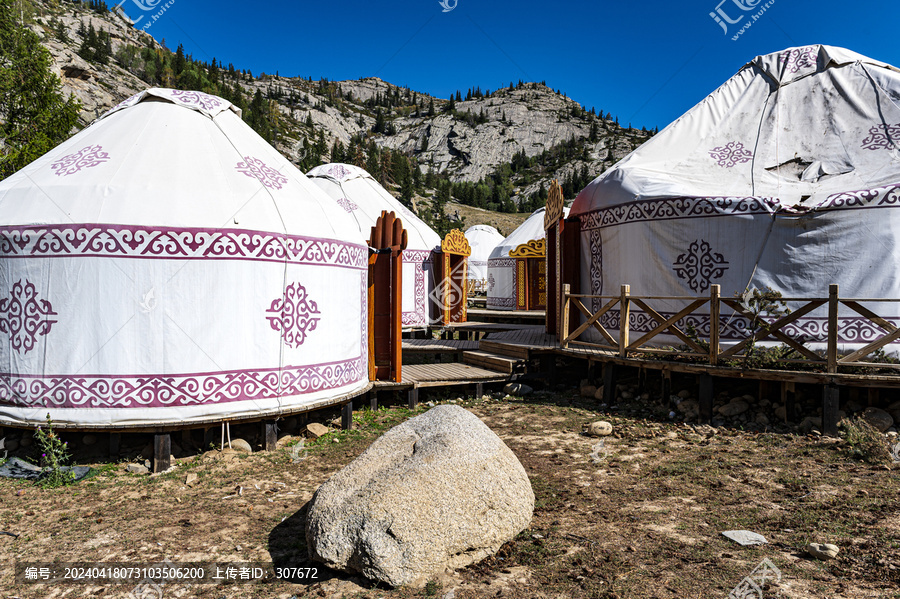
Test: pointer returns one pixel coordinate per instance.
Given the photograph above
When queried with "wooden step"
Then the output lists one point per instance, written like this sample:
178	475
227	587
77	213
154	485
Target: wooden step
503	349
490	361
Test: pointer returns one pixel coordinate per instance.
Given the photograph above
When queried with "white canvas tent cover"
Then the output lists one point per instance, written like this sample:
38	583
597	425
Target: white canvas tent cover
362	197
482	239
502	269
166	265
787	176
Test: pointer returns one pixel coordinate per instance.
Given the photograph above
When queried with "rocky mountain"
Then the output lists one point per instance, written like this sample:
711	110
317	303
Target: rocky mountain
513	140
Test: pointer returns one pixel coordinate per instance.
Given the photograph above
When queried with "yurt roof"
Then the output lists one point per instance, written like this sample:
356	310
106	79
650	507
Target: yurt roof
532	228
361	196
482	239
793	128
171	158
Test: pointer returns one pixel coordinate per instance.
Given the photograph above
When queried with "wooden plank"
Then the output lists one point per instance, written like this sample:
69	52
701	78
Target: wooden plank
507	349
714	310
863	311
592	321
162	452
871	347
491	361
772	329
706	397
564	325
269	435
830	403
347	416
624	320
413	398
668	324
115	443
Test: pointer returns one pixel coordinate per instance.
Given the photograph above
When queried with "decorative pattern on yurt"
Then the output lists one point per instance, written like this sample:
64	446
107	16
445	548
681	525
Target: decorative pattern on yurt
166	265
362	197
786	177
482	239
506	283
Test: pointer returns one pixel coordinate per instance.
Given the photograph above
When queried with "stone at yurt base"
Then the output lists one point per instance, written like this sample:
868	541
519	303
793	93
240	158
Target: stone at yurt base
440	491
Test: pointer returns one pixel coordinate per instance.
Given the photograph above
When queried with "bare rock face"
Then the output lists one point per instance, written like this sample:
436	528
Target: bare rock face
436	492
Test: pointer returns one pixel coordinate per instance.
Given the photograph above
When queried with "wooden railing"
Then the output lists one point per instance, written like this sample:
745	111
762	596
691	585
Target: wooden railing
771	327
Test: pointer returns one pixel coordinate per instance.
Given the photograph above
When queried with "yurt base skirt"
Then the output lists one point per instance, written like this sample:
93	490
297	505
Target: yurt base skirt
180	414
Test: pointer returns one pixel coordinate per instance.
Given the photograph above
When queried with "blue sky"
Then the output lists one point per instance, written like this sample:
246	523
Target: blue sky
647	62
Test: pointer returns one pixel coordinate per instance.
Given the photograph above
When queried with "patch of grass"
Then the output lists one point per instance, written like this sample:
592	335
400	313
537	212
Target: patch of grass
865	443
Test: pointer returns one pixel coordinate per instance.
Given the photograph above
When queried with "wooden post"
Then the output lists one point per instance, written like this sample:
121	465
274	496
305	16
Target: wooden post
714	291
373	399
479	390
787	400
706	397
564	327
347	416
609	383
115	443
548	367
832	328
830	404
873	396
624	320
162	452
665	387
413	397
186	441
269	435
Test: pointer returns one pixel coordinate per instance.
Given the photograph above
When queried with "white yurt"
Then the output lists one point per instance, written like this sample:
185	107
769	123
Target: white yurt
168	266
502	278
482	239
786	177
363	198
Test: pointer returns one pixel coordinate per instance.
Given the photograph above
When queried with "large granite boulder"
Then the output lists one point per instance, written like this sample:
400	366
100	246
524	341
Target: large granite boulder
440	491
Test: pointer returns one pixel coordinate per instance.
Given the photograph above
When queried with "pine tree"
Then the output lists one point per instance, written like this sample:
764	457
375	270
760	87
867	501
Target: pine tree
431	107
34	116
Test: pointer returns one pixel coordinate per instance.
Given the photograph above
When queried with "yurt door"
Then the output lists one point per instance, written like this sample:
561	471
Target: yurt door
388	240
455	252
537	279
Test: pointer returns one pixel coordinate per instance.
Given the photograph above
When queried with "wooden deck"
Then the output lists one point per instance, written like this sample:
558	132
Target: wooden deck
512	316
438	346
421	376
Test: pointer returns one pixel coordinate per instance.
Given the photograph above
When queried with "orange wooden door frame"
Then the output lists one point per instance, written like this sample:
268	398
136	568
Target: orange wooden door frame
387	241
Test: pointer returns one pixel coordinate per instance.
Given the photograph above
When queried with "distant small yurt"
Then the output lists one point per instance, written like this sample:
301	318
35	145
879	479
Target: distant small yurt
786	177
361	196
167	266
482	239
517	279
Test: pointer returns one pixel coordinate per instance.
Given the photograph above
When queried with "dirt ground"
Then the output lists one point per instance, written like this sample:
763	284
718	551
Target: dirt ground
636	514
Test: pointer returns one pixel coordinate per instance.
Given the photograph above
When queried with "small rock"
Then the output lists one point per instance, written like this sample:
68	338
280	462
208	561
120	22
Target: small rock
11	445
137	469
809	423
89	440
316	430
601	428
147	451
517	389
762	419
190	479
626	395
854	405
879	419
823	551
26	442
684	394
598	394
241	446
690	408
781	413
749	398
588	391
735	407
